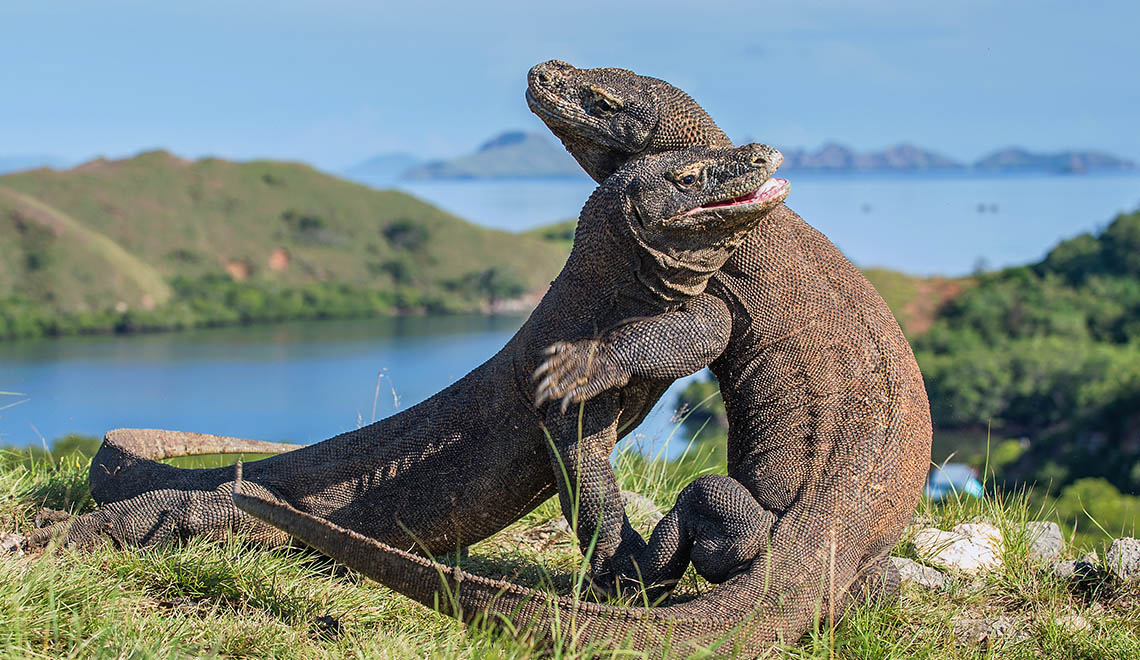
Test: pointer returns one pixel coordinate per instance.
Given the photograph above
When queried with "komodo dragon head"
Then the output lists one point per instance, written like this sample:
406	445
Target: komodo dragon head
684	211
606	116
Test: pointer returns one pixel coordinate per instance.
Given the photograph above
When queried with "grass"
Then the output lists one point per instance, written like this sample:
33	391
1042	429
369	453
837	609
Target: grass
227	599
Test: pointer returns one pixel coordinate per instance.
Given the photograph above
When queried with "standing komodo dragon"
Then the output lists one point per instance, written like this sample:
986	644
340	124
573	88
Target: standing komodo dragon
829	427
477	456
606	116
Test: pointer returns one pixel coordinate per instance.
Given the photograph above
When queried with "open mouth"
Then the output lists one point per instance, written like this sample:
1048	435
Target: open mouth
772	190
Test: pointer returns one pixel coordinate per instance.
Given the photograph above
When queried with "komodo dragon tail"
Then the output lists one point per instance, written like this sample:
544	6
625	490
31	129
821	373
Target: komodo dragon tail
775	601
123	449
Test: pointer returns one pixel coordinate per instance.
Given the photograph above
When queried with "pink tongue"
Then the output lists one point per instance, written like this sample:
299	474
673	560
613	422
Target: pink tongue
770	189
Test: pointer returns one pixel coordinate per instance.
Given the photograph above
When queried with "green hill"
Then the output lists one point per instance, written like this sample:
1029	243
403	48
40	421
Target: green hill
157	241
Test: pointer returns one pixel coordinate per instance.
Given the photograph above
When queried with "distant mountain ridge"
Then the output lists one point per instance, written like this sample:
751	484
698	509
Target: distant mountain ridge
1016	158
519	154
507	155
836	157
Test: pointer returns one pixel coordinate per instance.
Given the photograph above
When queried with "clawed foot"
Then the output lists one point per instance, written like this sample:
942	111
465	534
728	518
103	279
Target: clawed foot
576	371
606	587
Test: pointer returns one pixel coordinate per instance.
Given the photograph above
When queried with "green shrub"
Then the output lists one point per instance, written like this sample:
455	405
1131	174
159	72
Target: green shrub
405	234
1093	505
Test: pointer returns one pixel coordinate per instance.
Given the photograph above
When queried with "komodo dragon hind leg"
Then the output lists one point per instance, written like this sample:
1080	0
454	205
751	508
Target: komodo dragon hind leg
877	583
716	525
123	449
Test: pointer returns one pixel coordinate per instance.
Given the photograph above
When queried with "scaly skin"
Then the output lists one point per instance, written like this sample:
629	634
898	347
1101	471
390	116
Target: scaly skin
475	457
829	434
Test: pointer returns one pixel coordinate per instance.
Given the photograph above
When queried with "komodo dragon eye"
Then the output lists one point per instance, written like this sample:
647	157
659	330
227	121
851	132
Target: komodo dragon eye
605	101
687	177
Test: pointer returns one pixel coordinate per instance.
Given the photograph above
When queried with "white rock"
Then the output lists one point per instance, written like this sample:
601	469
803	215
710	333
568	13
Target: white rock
973	553
1123	558
1045	540
982	533
12	544
915	573
640	506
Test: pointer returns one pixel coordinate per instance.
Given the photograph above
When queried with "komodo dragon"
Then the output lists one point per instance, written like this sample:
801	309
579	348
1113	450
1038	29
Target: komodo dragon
605	116
475	457
829	433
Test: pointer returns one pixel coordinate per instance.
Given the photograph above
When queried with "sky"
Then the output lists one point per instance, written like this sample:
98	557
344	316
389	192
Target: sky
337	81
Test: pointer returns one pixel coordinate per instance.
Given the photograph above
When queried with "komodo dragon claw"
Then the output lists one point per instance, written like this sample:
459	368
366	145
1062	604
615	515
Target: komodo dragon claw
574	372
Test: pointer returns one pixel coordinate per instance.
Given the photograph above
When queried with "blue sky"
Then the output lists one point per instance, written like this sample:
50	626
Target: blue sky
337	81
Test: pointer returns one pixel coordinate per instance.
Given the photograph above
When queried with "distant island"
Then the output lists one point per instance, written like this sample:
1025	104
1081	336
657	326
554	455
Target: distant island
522	155
509	155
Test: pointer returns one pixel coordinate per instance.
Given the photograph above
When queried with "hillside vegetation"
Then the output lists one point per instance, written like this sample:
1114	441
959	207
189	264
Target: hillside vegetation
1050	354
155	241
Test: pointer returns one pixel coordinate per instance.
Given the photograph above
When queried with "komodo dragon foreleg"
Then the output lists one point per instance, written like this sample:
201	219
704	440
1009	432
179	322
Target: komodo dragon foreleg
715	518
665	347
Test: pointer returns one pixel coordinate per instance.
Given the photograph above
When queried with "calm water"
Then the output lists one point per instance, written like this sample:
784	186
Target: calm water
300	382
921	224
